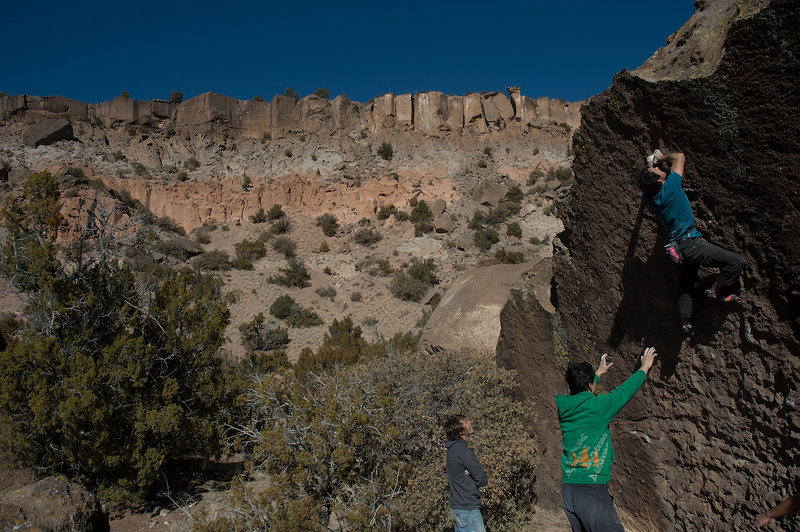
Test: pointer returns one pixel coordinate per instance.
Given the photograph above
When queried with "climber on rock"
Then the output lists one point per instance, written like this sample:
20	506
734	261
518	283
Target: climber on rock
586	440
663	193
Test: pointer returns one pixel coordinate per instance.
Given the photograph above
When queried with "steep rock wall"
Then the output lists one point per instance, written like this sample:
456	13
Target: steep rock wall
710	440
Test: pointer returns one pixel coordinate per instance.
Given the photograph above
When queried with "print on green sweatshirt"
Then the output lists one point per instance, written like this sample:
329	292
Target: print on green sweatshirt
584	417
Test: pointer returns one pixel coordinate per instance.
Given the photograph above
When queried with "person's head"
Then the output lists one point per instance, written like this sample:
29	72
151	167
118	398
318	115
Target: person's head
580	377
651	179
457	427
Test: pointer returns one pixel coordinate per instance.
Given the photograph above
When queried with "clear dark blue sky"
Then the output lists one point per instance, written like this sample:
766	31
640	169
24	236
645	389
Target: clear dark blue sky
92	51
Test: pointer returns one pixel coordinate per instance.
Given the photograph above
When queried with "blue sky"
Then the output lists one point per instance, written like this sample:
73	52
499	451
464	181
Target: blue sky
92	51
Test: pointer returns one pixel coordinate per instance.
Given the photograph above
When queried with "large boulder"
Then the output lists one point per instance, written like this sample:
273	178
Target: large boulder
497	108
473	113
468	316
714	426
488	193
48	131
53	504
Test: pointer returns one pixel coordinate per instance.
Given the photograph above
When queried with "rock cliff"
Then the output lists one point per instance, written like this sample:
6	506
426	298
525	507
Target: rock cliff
710	440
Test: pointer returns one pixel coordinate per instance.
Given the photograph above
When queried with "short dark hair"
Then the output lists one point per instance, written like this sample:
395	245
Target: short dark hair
648	182
579	376
452	426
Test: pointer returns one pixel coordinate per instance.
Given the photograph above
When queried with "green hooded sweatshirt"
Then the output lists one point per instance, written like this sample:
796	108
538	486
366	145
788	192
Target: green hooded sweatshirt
584	418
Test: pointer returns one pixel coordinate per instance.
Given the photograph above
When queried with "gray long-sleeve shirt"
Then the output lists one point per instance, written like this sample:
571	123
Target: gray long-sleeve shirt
464	494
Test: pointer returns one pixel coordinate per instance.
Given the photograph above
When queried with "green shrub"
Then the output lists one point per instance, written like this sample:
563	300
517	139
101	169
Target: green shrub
501	256
113	394
214	260
118	155
355	297
386	210
513	229
293	275
327	270
385	267
266	362
421	212
182	176
285	246
424	271
275	212
370	430
242	264
246	182
225	228
367	236
328	223
258	98
257	337
323	93
75	172
286	308
259	217
487	151
485	238
402	216
191	163
562	173
202	237
420	228
250	249
287	152
324	247
328	293
175	97
342	344
385	151
482	164
476	222
280	226
514	194
404	286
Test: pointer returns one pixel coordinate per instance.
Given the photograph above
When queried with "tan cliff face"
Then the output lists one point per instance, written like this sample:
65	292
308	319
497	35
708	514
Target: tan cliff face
433	113
189	161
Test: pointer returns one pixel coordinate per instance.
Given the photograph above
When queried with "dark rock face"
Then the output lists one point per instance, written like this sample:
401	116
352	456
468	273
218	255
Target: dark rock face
48	131
710	440
53	504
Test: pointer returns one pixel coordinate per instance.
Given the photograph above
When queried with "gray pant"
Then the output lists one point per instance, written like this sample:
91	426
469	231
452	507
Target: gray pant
697	252
590	508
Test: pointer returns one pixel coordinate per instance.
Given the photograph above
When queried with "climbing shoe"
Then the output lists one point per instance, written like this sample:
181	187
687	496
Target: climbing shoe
730	298
686	328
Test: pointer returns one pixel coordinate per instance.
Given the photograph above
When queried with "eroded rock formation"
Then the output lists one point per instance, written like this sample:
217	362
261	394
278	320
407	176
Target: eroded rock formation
433	113
711	439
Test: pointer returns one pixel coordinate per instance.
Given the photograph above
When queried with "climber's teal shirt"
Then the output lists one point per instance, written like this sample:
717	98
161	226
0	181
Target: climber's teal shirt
672	207
584	418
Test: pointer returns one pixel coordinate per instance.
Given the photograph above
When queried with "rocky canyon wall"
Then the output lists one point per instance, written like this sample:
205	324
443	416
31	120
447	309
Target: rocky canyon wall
711	440
433	113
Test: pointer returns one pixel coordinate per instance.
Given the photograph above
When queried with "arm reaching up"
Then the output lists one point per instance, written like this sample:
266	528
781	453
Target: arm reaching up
676	161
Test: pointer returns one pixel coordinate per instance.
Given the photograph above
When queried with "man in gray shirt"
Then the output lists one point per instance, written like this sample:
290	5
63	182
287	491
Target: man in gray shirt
464	475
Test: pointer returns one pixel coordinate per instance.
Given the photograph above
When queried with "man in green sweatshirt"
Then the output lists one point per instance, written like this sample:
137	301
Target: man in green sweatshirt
588	454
